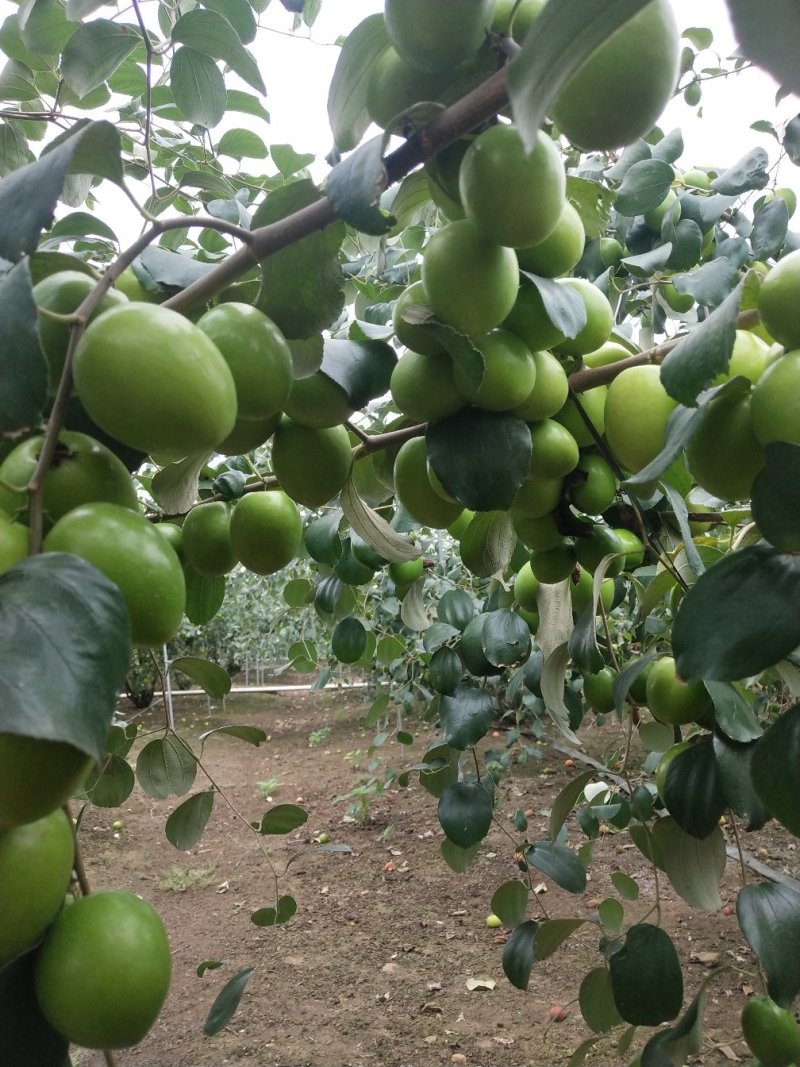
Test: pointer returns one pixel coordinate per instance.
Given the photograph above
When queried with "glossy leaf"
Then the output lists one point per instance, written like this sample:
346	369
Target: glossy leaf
692	791
735	778
210	33
347	99
510	902
775	492
564	307
769	918
362	368
211	678
559	863
770	225
566	801
465	812
56	601
204	596
646	977
644	187
226	1002
251	735
505	638
165	767
750	172
185	825
732	714
109	784
774	767
282	819
518	954
466	715
281	912
552	934
23	370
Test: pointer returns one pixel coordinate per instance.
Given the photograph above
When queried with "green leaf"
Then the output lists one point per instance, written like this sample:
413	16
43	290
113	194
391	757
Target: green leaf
692	791
27	1037
239	144
349	640
171	269
281	912
552	686
480	457
552	934
322	538
774	766
627	888
644	187
732	714
44	26
412	609
466	715
702	354
165	767
211	678
439	769
694	867
458	859
646	977
347	95
564	307
559	863
566	35
700	36
733	765
750	172
488	543
14	151
204	596
670	148
592	201
354	187
704	210
64	651
505	638
686	239
246	104
465	813
373	528
23	369
282	819
302	285
673	1046
82	224
210	33
240	15
628	675
226	1002
185	826
719	632
288	160
252	735
510	902
710	284
769	918
518	954
111	783
566	801
775	492
175	486
93	53
298	592
28	196
596	1000
16	82
198	87
770	226
362	368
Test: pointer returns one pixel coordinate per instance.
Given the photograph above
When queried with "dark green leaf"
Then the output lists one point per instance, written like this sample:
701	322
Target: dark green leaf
226	1002
441	769
466	716
28	196
644	187
172	269
670	147
26	1037
251	735
559	863
64	651
648	263
769	917
240	15
347	95
733	766
288	160
750	172
302	286
566	801
437	635
282	819
646	977
14	151
565	307
686	239
692	791
518	955
552	934
109	784
354	187
791	140
505	638
770	225
767	35
208	965
720	633
775	493
702	354
23	370
362	368
566	35
694	867
510	902
210	33
185	826
774	769
704	210
44	26
165	767
596	1000
211	678
625	886
628	675
711	283
204	596
281	912
480	457
239	144
458	859
465	812
733	715
93	53
456	608
322	538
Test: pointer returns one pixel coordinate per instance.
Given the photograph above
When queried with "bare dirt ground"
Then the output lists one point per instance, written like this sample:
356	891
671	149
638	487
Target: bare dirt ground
373	969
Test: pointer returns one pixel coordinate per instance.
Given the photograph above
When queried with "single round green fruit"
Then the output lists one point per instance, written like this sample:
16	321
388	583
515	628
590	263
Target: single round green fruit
152	380
471	282
515	197
257	353
537	497
775	409
206	539
526	586
36	777
172	534
598	690
129	285
636	412
550	390
597	488
537	534
424	387
493	922
618	94
407	572
554	564
603	542
633	545
318	401
82	470
611	252
323	838
669	206
414	490
312	465
432	37
673	298
414	335
610	352
554	451
599	319
558	253
748	358
696	179
724	455
393	86
266	530
459	525
771	1032
14	542
103	971
35	869
129	551
674	701
777	301
62	293
509	372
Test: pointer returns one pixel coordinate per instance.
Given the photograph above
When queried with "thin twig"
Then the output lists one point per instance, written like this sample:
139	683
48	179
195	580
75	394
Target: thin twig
148	66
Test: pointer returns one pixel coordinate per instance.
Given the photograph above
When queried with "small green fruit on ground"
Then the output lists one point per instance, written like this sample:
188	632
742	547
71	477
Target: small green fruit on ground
35	868
771	1032
103	971
323	838
493	921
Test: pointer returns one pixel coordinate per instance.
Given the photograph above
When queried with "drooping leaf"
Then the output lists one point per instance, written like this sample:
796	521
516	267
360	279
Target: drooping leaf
646	977
185	825
692	791
750	172
719	631
769	917
487	544
373	528
628	675
732	714
362	368
347	98
251	735
775	491
694	867
282	819
210	33
412	609
465	812
242	144
735	778
198	87
518	955
596	1000
211	678
204	596
673	1046
480	457
171	270
165	767
552	934
23	370
558	862
702	354
770	225
226	1002
510	902
564	307
458	859
64	651
774	766
354	187
466	715
552	685
93	53
111	783
281	912
711	283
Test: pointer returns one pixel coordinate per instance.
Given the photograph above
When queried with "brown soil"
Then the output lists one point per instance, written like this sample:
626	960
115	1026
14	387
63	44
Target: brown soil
373	970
